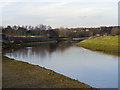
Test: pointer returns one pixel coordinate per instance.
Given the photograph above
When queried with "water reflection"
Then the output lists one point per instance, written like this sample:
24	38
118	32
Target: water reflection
94	68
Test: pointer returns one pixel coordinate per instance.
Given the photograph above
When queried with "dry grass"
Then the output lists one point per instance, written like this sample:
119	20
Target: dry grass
17	74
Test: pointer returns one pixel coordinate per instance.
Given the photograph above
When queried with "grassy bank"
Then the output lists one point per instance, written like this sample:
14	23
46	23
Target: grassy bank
18	74
103	43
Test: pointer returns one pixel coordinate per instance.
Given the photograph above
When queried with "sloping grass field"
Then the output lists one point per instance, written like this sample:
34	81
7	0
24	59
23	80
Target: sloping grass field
103	43
18	74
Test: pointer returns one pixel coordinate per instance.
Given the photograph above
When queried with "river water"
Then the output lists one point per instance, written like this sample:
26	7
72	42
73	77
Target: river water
93	68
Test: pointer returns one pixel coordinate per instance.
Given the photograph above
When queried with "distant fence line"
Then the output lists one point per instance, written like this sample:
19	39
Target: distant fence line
35	38
29	38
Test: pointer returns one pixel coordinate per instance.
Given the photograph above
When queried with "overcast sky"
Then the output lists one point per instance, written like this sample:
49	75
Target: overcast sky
59	13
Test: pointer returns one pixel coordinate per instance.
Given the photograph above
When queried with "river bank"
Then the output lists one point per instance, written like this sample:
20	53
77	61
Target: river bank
18	44
108	44
18	74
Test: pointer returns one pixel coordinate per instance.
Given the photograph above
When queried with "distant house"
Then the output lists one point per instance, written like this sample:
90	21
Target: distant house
75	31
97	35
87	30
105	35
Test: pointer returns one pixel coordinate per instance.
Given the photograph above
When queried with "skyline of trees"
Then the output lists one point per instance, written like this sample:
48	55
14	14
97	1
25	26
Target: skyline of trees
47	31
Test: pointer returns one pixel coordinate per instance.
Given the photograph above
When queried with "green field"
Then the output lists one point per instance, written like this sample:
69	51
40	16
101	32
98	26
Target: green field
103	43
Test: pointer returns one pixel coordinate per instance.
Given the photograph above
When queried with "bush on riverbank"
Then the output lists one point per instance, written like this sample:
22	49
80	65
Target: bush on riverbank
103	43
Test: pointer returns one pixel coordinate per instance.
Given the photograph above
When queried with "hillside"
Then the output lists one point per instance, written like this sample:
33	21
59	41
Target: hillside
103	43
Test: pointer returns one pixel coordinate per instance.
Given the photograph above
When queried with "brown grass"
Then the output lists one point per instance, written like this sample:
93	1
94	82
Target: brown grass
18	74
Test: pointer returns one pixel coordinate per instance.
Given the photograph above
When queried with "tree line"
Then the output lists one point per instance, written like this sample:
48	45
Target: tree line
47	31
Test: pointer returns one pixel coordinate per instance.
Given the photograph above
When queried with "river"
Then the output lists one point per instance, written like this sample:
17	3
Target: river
97	69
